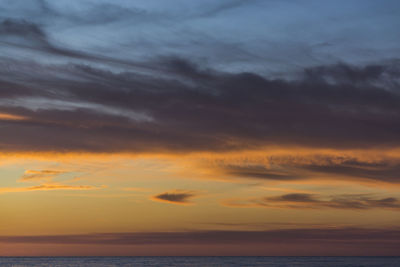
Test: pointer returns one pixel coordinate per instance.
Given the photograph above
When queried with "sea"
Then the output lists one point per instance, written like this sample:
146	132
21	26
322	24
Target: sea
201	261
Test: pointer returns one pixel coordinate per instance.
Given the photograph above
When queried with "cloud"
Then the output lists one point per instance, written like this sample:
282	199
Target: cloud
345	165
176	197
27	35
307	242
204	30
34	175
295	242
74	95
24	29
202	111
48	187
219	237
259	172
314	201
383	170
4	116
268	225
21	35
296	197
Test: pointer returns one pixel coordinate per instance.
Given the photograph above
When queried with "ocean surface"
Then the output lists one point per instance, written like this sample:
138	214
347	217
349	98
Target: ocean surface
201	261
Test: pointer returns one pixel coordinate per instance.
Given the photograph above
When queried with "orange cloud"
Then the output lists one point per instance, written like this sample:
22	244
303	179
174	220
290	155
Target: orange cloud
11	117
49	187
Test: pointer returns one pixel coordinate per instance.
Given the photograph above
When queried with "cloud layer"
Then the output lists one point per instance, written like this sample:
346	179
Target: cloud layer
80	108
382	242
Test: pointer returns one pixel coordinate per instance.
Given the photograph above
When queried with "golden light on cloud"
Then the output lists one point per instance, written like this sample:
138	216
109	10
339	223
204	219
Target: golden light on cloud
49	187
11	117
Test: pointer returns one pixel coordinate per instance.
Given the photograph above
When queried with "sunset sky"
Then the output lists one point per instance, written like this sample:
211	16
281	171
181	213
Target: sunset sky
188	127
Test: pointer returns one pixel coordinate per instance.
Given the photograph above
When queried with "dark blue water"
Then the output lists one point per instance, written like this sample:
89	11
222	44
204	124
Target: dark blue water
201	261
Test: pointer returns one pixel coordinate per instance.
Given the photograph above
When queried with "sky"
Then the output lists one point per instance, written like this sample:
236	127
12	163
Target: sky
183	127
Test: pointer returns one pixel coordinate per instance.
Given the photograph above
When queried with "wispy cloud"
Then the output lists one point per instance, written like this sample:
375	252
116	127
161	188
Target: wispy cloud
315	201
339	164
40	175
48	187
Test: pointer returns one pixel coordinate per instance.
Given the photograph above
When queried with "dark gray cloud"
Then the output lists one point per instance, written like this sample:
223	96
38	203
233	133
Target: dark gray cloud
315	166
315	201
197	109
27	35
295	197
176	197
259	172
386	171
